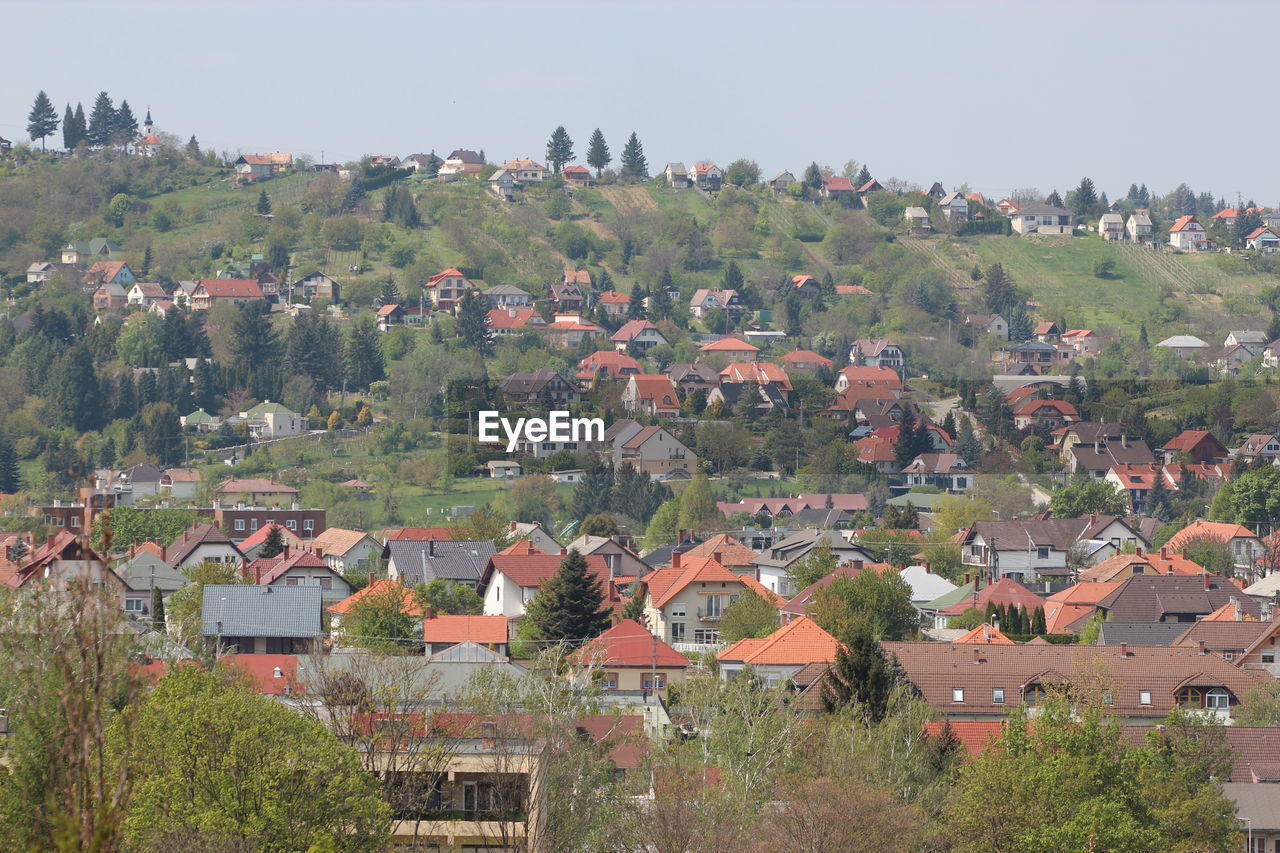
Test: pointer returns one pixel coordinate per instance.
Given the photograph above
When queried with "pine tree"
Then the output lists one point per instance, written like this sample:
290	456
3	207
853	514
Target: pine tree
101	121
69	129
904	448
568	605
75	394
390	294
998	289
82	125
559	149
147	257
157	609
636	309
472	328
124	125
598	156
634	165
1054	200
363	358
193	148
1038	626
274	544
733	279
812	177
949	424
862	674
313	348
967	444
594	494
1158	498
864	175
43	118
18	551
10	475
1085	199
264	203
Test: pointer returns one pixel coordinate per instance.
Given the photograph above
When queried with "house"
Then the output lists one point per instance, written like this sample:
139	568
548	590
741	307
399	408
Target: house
806	360
512	321
1244	544
876	352
633	659
317	285
179	484
954	206
503	184
347	550
63	559
1007	207
1121	567
1041	219
622	561
704	300
1096	447
1137	481
1259	446
802	601
444	631
1245	338
1262	239
565	298
1034	413
526	171
503	469
946	471
271	420
865	191
461	161
86	251
253	545
143	294
1184	346
258	167
1111	227
867	377
693	377
837	188
1187	233
233	291
677	176
578	176
251	619
637	335
446	289
108	272
1024	548
144	570
614	304
377	588
1046	332
805	285
414	561
1138	228
707	176
989	324
1083	341
109	297
200	543
429	164
772	565
254	490
782	182
654	451
570	330
777	657
294	567
685	603
775	385
1146	683
543	386
1195	445
1174	598
732	348
607	365
654	396
508	582
917	219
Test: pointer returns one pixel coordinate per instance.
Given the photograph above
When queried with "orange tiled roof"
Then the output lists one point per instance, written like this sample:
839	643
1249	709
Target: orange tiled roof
382	586
800	641
729	345
484	630
984	634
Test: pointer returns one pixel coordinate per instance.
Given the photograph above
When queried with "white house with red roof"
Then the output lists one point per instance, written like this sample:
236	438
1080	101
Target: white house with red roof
876	352
632	659
216	291
704	299
733	348
512	321
446	289
806	360
299	567
707	176
863	376
654	451
641	335
1244	544
509	581
444	631
607	365
947	471
776	657
1262	239
1188	233
1050	414
837	187
653	395
524	170
579	176
614	303
685	603
570	330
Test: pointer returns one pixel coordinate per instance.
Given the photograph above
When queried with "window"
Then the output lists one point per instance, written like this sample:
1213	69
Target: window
1042	553
133	605
997	695
715	606
1144	697
75	521
1217	699
291	524
290	581
326	583
957	694
308	524
706	635
1190	697
239	524
1108	698
678	610
1268	657
611	681
656	681
1034	694
677	632
253	524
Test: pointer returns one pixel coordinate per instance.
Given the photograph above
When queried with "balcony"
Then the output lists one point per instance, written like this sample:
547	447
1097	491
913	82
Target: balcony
697	648
709	615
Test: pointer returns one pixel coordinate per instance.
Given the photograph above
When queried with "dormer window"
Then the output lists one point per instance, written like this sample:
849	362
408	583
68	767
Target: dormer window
1217	699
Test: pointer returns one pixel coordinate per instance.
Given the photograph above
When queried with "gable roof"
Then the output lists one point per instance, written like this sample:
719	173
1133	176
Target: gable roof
231	288
338	540
259	537
268	570
530	570
1185	223
1152	598
729	345
665	584
483	630
724	549
629	644
381	586
422	560
1005	591
199	533
238	610
632	329
984	634
1218	531
800	641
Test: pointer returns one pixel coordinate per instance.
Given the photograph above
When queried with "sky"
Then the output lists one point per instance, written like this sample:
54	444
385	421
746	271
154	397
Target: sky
997	95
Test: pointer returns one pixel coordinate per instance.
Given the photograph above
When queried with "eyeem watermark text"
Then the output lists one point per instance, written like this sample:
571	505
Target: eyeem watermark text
557	426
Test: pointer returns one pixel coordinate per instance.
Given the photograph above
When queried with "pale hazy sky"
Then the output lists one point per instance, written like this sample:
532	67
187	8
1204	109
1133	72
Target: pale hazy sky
997	94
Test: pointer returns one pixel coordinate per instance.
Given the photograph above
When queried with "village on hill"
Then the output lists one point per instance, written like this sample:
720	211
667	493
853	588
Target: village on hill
886	509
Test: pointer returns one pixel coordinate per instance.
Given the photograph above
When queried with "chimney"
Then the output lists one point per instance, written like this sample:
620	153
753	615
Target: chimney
966	579
49	542
1093	519
319	550
431	547
675	559
718	556
1200	648
927	568
995	623
1164	552
1124	650
1205	578
563	551
1239	611
977	655
986	633
857	565
1138	550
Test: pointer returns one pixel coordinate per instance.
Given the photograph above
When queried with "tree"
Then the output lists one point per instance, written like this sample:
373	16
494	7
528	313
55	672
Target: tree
192	149
1092	496
750	616
313	349
968	446
1260	706
449	597
124	125
1054	200
253	773
559	149
568	605
905	447
593	494
634	165
635	606
162	432
881	599
598	156
264	203
812	177
362	357
381	621
274	544
473	311
1085	198
742	173
43	118
698	504
389	294
998	289
600	524
71	133
74	393
10	474
816	565
862	675
101	121
1253	497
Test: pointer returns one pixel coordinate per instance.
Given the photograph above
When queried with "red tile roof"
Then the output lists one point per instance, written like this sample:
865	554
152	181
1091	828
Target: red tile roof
512	318
422	533
1005	591
665	584
231	288
806	356
522	548
984	634
441	276
729	345
259	536
655	388
382	586
628	644
267	570
1218	531
613	297
1184	223
268	675
530	570
631	329
800	641
611	361
484	630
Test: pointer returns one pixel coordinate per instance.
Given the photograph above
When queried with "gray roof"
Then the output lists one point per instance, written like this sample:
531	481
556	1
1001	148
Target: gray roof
1140	219
1042	210
419	561
1182	341
239	610
677	169
1140	633
1258	803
